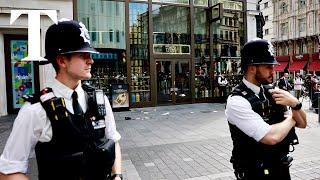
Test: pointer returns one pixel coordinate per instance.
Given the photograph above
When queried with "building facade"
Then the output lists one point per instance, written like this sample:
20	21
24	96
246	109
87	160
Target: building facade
266	7
296	34
166	51
154	52
20	77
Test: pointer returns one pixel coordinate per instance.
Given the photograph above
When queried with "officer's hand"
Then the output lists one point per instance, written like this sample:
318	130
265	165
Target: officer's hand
284	98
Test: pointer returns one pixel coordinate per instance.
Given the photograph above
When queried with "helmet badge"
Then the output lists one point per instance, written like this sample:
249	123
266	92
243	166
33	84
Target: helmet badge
270	49
84	33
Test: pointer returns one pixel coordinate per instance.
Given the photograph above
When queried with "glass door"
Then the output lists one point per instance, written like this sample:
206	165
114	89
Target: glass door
173	82
182	82
164	82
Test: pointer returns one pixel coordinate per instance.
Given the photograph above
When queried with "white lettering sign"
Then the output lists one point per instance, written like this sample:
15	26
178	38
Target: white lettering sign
33	30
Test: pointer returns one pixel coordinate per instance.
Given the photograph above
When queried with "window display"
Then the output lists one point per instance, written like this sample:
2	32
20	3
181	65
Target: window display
140	90
109	68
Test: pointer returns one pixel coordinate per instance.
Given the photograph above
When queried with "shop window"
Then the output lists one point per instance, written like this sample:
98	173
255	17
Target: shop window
203	88
171	24
140	90
103	16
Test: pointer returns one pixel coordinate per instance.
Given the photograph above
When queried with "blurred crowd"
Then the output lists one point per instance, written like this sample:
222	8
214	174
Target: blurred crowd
301	85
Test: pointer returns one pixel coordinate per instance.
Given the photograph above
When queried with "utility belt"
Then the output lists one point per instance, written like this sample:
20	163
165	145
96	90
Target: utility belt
261	170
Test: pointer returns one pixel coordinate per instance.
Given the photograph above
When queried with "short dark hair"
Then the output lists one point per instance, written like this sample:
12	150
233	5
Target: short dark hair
54	61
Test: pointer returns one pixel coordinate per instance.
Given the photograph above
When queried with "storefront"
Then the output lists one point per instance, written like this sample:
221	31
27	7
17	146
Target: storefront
167	52
18	78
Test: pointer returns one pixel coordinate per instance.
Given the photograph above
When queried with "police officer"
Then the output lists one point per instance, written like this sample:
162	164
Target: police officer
262	128
71	138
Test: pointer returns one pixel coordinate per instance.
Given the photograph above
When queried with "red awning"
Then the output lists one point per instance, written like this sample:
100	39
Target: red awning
314	66
281	66
297	65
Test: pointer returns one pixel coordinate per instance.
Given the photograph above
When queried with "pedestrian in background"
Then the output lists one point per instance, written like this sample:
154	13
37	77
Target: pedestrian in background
223	83
71	127
284	83
262	128
298	82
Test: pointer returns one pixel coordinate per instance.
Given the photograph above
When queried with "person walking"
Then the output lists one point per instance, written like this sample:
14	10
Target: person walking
70	126
298	82
261	127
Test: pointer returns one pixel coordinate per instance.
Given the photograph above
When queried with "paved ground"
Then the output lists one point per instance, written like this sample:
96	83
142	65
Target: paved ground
190	141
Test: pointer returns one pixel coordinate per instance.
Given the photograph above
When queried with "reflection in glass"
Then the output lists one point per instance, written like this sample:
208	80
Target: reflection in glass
103	20
173	1
164	82
200	3
171	29
202	59
139	54
228	38
182	81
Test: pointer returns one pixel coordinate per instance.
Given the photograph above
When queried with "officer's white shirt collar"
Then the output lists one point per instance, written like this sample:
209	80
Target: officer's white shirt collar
253	87
65	91
61	90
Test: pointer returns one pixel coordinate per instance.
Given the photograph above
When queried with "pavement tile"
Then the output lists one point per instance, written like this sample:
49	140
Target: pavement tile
184	145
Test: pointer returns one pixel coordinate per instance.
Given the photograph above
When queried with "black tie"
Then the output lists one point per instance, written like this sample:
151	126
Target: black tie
76	106
261	94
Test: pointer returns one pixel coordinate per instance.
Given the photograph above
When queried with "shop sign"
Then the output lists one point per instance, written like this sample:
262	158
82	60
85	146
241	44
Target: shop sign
120	95
33	30
227	4
171	49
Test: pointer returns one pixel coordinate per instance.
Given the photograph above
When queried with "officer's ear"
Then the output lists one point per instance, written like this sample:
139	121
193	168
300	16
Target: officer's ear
251	69
61	60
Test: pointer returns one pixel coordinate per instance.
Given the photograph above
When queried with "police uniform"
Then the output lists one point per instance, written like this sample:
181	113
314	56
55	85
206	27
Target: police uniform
70	147
250	112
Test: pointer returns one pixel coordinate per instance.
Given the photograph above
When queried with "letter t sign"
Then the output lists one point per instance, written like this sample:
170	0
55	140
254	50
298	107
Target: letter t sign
33	30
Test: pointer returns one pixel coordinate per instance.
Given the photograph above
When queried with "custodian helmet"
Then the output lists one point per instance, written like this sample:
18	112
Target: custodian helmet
67	36
257	51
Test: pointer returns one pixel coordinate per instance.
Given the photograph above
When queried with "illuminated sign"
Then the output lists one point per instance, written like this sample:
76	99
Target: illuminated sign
171	49
105	56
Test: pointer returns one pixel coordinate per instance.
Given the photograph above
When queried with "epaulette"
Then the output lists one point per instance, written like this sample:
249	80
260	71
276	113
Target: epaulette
87	87
239	90
32	98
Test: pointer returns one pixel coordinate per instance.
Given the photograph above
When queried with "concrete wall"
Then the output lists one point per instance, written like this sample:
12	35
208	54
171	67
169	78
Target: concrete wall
64	9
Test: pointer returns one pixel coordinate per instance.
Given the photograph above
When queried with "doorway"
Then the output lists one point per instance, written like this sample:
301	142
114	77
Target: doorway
22	76
173	82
